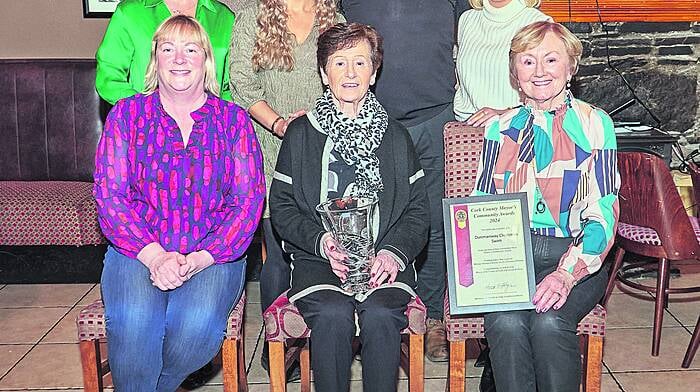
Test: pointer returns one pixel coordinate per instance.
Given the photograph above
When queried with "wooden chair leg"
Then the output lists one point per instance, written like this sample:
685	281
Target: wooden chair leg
92	365
619	255
592	363
229	359
278	383
416	364
305	365
661	287
693	346
242	375
457	365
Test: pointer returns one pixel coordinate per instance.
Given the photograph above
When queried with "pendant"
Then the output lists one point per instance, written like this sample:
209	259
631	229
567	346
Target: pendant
540	207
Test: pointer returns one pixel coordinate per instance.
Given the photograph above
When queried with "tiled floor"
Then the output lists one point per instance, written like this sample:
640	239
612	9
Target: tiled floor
38	345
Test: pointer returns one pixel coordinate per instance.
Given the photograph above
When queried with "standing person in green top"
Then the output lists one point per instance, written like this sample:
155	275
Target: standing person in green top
274	76
125	50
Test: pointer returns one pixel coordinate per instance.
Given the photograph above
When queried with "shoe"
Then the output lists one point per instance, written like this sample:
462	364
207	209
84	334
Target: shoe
199	378
487	383
436	341
293	373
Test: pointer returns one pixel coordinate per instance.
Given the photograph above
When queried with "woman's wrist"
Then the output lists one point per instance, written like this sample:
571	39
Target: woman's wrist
274	123
149	252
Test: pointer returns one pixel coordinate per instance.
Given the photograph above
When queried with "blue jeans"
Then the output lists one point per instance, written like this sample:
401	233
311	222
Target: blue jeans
540	351
156	338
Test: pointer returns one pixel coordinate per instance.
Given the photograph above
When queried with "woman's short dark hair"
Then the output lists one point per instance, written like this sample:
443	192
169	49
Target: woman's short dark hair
348	35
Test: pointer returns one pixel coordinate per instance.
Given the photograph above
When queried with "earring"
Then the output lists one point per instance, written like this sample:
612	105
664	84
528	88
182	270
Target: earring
568	83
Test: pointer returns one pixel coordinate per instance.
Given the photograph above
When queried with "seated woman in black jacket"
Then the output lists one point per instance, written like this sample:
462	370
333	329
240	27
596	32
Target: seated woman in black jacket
348	146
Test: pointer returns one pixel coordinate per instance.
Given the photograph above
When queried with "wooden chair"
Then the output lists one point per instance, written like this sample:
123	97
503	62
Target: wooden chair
692	346
462	153
653	223
284	325
91	330
695	340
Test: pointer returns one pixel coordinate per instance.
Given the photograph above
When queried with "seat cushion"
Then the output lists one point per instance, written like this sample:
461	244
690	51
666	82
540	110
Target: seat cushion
48	213
641	234
462	328
91	321
284	321
647	235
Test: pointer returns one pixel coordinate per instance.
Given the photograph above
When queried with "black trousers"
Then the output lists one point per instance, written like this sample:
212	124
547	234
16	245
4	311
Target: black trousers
276	272
533	351
428	142
331	317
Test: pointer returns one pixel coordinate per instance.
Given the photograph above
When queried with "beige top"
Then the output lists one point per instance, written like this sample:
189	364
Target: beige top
285	91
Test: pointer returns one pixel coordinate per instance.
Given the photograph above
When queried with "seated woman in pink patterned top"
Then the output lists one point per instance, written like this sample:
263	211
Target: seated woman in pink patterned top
179	187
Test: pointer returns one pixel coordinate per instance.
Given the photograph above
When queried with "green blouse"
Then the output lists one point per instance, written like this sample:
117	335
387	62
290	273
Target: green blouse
125	51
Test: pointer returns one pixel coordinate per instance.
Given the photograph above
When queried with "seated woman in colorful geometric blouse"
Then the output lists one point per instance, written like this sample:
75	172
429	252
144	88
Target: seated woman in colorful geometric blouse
179	187
562	153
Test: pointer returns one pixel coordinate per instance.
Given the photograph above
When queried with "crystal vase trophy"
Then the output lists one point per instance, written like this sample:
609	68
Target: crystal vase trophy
349	219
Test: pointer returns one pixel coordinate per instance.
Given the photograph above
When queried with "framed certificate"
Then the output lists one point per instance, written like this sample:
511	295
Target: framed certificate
489	253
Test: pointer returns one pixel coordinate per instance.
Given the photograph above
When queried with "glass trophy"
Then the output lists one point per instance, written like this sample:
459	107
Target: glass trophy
349	220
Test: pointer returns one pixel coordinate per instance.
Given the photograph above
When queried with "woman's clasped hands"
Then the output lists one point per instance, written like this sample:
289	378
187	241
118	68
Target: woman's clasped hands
169	270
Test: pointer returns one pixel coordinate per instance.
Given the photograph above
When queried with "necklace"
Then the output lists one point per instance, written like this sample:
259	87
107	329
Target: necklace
184	11
540	206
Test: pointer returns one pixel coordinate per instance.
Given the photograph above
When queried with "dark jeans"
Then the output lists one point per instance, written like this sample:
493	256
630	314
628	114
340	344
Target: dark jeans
540	351
331	317
276	273
428	142
156	338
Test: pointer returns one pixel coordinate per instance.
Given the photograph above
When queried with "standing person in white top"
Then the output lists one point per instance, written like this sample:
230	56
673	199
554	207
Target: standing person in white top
483	76
484	36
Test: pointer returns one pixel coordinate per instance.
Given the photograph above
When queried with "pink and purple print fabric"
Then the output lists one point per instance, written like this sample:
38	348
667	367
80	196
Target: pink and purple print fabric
151	187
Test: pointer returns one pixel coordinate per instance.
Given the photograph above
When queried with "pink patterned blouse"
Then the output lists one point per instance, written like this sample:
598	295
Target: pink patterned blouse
150	187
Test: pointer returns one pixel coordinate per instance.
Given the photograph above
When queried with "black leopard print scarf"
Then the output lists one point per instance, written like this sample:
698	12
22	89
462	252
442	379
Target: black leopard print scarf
356	139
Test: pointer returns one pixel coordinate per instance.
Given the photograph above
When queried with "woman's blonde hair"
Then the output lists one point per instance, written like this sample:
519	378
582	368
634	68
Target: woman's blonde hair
274	42
533	34
479	4
182	27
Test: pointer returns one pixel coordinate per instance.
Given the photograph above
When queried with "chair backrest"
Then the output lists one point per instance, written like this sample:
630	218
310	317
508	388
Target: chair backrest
694	172
463	145
50	119
648	198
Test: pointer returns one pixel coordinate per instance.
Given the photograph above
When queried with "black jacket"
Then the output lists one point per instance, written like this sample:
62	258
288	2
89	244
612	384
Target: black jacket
302	164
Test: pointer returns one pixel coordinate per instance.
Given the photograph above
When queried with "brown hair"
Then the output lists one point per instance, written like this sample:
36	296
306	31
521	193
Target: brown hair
479	4
533	34
182	26
274	42
345	36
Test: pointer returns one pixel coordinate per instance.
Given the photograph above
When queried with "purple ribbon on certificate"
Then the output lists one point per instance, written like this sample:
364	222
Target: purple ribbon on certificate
463	245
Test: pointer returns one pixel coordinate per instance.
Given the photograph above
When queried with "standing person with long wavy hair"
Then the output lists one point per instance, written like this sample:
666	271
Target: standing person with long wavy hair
274	76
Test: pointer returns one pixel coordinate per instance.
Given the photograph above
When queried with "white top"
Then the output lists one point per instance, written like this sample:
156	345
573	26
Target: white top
482	59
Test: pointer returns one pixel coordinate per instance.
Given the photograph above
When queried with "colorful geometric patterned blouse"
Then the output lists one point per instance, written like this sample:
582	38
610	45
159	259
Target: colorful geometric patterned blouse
150	187
566	162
